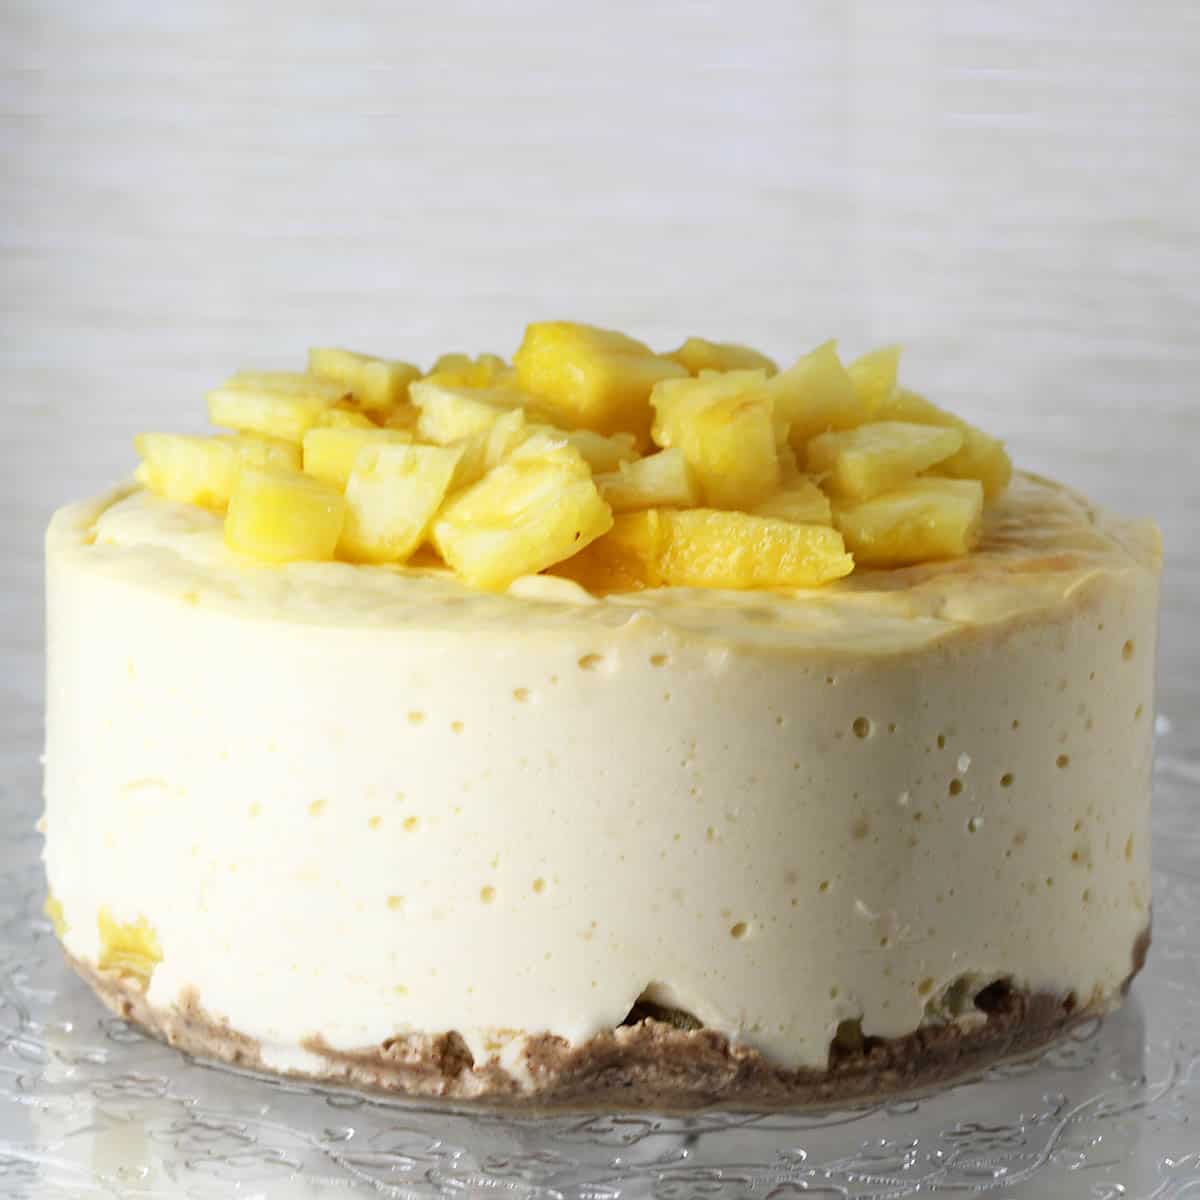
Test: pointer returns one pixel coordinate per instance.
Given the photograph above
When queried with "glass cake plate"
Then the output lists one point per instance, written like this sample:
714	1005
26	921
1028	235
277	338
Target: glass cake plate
89	1107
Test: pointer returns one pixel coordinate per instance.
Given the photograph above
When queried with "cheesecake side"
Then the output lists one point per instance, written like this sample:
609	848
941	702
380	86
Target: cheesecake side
369	815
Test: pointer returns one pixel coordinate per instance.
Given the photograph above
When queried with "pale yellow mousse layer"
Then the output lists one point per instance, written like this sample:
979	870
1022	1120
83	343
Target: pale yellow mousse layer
350	802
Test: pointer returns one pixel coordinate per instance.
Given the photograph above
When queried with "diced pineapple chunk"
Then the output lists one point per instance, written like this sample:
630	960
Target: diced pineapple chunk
459	370
982	456
448	414
377	383
589	378
472	463
662	480
345	418
393	494
789	466
488	448
329	454
801	501
405	416
522	517
709	548
879	457
599	452
282	516
452	360
130	949
191	470
724	424
260	451
815	395
506	435
278	404
874	376
626	559
699	354
927	519
544	441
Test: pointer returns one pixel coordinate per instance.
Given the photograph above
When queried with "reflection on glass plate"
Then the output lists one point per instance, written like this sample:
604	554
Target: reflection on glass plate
89	1107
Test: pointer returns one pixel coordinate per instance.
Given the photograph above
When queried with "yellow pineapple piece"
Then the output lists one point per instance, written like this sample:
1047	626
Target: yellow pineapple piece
505	436
926	519
391	497
259	451
451	361
544	441
460	370
405	416
789	466
800	501
329	454
599	452
815	395
662	480
448	414
54	910
470	375
131	950
699	354
279	404
472	463
879	457
189	469
488	448
709	548
874	376
604	453
982	456
345	418
377	383
626	559
725	426
281	516
522	517
589	378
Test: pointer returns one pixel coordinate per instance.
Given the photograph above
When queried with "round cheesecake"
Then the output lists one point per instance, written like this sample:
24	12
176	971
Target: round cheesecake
667	847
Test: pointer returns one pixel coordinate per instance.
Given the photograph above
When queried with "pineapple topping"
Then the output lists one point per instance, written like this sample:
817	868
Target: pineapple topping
591	456
131	949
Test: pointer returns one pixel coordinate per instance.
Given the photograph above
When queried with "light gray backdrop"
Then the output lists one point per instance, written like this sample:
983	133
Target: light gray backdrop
1010	189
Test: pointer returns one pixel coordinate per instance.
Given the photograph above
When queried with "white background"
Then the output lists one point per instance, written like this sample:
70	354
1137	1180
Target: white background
1011	189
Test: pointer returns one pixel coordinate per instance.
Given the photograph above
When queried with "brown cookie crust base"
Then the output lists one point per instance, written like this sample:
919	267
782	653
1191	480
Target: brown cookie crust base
646	1064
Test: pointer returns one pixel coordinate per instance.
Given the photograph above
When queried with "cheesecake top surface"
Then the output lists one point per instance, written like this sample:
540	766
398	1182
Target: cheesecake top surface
1041	544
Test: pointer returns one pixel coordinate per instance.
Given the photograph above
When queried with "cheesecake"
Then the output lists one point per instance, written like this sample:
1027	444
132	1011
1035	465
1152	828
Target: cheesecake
607	728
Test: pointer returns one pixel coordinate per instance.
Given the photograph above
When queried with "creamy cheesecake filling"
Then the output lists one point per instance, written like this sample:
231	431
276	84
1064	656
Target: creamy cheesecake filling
356	803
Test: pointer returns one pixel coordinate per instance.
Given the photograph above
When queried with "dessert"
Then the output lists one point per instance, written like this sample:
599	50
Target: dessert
605	728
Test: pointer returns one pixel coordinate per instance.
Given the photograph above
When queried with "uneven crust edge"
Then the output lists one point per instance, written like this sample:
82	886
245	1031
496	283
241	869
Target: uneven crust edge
647	1064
